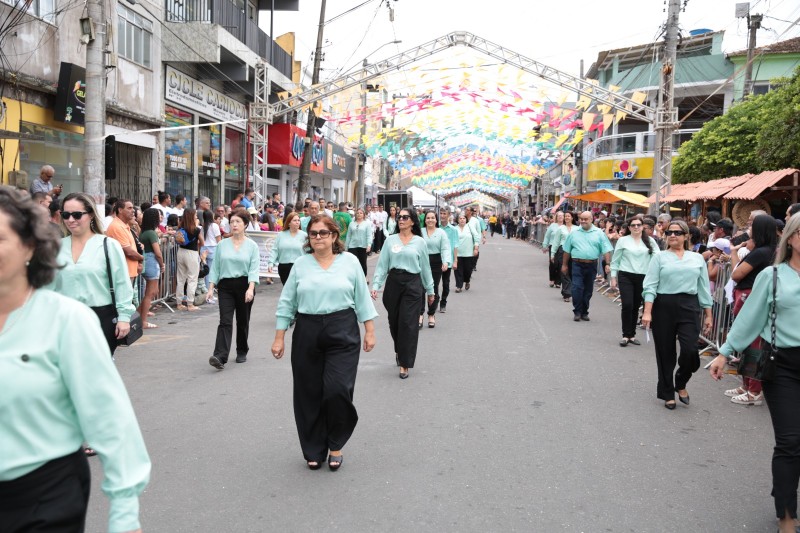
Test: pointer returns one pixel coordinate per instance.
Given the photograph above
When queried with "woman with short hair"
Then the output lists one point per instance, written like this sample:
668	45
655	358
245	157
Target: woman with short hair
288	247
326	293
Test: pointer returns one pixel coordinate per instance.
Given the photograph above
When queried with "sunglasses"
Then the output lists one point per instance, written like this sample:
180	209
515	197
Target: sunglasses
634	225
321	234
77	215
674	232
404	217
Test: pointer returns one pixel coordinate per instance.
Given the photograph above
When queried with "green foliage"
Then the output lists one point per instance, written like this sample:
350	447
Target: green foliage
761	133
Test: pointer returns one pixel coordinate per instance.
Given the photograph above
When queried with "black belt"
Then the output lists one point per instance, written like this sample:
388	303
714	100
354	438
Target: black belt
585	260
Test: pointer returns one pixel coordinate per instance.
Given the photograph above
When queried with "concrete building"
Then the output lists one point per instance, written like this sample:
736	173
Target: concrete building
771	62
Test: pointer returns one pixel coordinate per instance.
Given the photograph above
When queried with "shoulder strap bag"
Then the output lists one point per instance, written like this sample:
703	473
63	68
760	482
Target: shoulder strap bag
759	359
136	321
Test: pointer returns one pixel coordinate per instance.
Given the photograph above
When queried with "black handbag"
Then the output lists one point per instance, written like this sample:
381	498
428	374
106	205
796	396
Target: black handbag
759	363
204	270
136	321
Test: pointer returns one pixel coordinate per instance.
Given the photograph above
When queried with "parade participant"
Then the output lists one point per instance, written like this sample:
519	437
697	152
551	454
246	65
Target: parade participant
675	289
582	248
557	243
153	262
190	239
547	248
465	253
359	238
771	313
235	275
439	258
390	223
288	246
328	296
629	264
380	217
405	268
62	391
476	225
452	237
85	272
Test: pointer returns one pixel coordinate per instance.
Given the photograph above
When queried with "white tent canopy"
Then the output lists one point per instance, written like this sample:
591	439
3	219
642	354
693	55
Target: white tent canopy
421	198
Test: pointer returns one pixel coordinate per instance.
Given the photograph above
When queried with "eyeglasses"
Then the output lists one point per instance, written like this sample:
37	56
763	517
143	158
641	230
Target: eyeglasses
403	217
674	232
321	234
634	225
77	215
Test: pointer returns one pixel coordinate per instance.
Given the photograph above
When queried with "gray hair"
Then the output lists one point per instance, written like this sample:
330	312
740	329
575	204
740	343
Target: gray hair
784	251
664	217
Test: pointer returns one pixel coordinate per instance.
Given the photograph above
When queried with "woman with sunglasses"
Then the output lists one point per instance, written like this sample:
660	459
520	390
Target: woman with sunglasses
629	265
405	268
84	276
359	238
327	294
675	289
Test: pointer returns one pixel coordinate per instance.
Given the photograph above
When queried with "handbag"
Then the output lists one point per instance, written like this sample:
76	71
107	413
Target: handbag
136	321
758	359
204	270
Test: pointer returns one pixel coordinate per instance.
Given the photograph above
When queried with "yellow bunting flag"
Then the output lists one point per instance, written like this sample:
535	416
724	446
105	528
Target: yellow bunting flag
588	120
608	119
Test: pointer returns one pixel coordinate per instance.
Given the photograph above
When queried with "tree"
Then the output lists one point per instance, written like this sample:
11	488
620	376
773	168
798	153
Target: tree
778	142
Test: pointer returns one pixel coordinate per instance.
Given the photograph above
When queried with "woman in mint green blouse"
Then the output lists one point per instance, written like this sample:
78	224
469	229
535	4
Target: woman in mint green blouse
547	247
390	224
439	256
85	276
59	389
781	390
235	275
676	288
359	238
467	249
327	295
288	246
406	270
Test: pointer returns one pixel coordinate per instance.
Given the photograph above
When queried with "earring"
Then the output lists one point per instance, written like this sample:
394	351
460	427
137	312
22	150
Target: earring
27	263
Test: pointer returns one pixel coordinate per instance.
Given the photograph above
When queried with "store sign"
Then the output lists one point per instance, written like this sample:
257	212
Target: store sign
71	95
197	96
335	161
625	169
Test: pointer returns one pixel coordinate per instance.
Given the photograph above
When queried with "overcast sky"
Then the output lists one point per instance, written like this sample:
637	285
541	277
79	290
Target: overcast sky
558	33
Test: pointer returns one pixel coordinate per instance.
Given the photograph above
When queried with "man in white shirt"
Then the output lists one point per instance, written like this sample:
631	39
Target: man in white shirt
180	205
222	220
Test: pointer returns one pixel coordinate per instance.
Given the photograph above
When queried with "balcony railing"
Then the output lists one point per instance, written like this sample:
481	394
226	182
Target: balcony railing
640	143
235	21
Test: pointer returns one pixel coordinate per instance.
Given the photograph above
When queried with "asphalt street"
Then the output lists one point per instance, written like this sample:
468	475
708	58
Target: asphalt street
515	418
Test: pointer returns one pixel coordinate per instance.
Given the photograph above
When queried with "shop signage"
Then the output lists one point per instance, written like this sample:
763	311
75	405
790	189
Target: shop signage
625	169
70	104
197	96
335	161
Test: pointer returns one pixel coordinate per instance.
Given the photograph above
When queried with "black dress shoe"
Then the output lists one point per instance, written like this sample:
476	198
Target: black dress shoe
684	400
670	406
241	358
442	308
576	318
216	363
585	318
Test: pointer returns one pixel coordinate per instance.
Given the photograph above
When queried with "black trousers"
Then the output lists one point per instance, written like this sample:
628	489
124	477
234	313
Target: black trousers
565	280
325	352
554	267
436	271
464	271
630	292
284	269
675	315
231	292
445	287
52	498
783	396
377	240
403	298
361	254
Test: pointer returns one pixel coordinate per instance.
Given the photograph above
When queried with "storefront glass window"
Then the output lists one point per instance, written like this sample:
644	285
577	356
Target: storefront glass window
208	161
178	153
62	150
234	164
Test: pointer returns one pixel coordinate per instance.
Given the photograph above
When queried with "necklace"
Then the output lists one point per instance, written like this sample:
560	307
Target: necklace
8	325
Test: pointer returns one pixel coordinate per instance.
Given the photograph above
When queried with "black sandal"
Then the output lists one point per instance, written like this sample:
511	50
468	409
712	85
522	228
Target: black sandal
316	466
335	461
431	321
89	452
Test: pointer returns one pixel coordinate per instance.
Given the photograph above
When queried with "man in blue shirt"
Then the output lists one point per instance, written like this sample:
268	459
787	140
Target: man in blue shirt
583	248
247	200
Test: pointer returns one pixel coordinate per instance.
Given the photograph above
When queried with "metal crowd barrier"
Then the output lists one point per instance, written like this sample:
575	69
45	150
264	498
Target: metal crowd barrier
538	233
167	285
721	312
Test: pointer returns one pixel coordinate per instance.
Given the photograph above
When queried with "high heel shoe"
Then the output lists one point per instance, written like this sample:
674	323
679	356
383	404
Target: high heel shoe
669	405
684	399
315	466
335	461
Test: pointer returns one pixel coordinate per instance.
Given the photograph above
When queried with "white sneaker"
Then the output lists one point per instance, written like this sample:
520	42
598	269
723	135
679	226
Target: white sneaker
748	399
738	391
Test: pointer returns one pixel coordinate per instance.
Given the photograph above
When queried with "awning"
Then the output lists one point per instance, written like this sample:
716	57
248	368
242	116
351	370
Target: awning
611	196
756	185
711	190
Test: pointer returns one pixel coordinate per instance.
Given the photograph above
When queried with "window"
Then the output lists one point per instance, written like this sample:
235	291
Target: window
135	34
44	9
761	87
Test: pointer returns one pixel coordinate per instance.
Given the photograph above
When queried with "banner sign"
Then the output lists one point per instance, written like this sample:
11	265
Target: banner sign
264	240
197	96
71	95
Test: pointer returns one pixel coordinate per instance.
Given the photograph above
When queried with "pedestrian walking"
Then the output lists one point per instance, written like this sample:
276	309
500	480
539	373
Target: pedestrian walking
438	244
463	260
676	288
629	264
212	235
582	249
235	275
547	248
452	236
62	391
87	259
327	294
359	238
153	262
557	243
289	245
405	269
772	315
190	239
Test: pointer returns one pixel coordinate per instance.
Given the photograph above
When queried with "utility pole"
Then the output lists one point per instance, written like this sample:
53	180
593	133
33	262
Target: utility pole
666	115
95	110
305	167
753	24
362	158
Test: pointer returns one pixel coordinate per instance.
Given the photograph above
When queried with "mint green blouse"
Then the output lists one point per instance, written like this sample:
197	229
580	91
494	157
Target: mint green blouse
560	235
475	225
60	389
86	279
669	275
359	235
230	263
630	256
312	290
438	243
467	241
389	226
548	235
753	320
286	248
452	235
411	257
